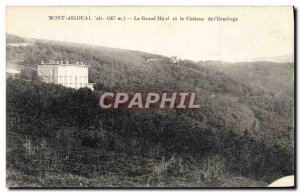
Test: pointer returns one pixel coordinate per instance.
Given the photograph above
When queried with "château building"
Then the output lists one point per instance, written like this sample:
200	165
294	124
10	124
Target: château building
74	75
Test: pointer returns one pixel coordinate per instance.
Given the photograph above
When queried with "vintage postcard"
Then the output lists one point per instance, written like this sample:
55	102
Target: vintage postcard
150	97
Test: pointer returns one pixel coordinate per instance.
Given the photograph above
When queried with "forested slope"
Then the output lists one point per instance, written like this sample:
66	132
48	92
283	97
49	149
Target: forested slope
240	130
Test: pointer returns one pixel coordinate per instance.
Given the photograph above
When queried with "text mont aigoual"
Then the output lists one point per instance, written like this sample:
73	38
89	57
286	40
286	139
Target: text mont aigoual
180	100
136	18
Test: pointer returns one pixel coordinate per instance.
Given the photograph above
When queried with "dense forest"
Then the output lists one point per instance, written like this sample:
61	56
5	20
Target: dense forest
243	134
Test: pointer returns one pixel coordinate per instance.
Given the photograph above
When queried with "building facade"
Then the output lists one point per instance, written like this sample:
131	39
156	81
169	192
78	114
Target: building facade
74	75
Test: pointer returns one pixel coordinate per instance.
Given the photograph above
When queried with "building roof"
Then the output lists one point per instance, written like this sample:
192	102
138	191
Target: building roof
62	63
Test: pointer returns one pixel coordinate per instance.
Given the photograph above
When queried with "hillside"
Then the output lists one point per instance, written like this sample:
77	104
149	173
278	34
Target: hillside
271	76
243	128
14	39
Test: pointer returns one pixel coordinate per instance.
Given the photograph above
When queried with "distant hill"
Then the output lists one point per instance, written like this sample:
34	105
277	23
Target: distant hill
14	39
46	49
278	59
270	76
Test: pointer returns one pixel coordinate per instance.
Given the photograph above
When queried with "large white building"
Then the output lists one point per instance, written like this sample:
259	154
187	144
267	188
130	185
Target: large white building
74	75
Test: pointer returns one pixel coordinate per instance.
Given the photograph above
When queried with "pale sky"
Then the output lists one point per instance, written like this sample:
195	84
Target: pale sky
259	32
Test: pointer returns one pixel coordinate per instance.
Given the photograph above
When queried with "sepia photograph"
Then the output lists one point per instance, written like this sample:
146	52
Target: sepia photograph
150	97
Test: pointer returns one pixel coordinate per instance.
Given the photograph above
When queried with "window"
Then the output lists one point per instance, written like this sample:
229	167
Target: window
46	79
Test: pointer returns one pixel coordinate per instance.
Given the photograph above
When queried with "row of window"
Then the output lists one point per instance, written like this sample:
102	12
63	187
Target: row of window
81	81
74	85
82	67
73	78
